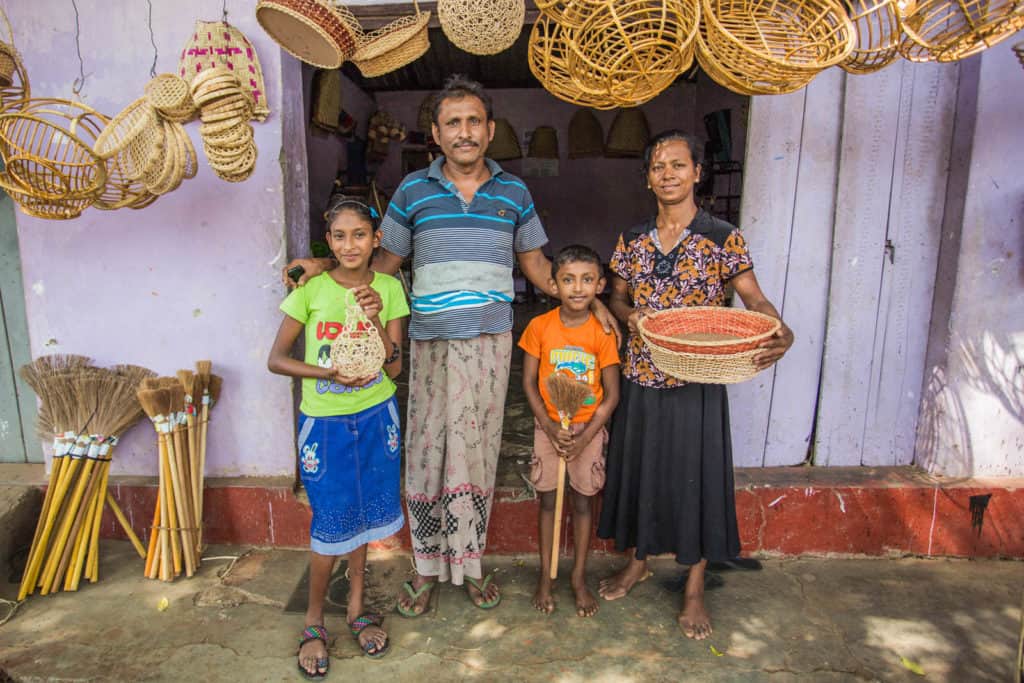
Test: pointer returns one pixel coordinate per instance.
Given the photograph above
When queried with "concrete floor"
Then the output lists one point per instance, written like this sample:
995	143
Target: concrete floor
805	619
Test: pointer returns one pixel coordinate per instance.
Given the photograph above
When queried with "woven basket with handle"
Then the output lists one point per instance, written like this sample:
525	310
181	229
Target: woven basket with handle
706	344
395	45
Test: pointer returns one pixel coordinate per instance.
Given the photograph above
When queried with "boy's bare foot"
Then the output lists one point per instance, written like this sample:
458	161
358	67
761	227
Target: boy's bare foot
586	605
414	602
543	601
694	620
618	585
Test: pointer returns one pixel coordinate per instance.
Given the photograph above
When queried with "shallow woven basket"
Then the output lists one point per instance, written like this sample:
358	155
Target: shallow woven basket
738	83
391	47
481	28
44	155
946	31
634	49
586	138
358	350
776	47
548	55
505	145
706	344
169	94
218	43
315	32
42	207
879	31
628	135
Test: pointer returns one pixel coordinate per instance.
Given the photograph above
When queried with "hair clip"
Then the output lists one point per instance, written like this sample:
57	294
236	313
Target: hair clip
373	213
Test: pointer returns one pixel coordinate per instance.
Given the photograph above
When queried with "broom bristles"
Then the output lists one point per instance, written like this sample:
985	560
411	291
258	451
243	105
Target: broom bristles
119	406
153	402
216	382
566	393
45	366
135	374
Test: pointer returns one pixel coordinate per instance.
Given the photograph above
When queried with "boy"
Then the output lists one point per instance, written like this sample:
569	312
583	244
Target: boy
569	340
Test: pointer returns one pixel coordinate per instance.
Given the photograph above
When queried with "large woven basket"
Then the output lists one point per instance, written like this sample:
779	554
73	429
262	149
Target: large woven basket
218	43
505	145
946	31
481	28
391	47
634	49
586	138
706	344
776	47
879	31
548	56
315	32
628	135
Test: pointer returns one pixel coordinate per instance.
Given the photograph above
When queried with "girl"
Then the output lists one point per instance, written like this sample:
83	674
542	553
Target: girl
348	426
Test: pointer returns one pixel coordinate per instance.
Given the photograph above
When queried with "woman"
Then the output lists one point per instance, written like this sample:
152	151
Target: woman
669	485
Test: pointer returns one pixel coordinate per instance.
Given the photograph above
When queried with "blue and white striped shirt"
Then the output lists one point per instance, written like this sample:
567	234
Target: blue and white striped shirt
462	252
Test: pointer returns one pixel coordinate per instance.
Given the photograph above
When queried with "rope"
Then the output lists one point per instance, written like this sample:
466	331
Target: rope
79	83
152	39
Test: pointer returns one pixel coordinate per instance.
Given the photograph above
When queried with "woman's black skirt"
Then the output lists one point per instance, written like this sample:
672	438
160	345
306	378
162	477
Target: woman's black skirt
669	485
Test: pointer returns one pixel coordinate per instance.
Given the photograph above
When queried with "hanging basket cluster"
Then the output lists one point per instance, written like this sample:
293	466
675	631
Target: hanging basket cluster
325	33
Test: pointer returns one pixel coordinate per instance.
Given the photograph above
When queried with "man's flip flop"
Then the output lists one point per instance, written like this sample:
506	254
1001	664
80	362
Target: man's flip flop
482	587
415	595
359	624
314	633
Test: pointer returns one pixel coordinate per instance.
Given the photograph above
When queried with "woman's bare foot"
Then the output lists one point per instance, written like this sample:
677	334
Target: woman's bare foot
312	654
618	585
694	620
586	605
543	601
418	605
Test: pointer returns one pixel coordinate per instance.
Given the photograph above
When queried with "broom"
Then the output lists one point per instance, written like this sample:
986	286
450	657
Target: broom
211	394
155	404
568	396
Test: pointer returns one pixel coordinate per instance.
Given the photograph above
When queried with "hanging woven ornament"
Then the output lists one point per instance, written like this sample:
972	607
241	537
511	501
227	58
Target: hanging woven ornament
391	47
946	31
169	94
358	350
481	28
219	44
543	143
568	13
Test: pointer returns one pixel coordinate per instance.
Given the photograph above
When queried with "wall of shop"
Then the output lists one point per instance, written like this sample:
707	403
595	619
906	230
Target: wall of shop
195	275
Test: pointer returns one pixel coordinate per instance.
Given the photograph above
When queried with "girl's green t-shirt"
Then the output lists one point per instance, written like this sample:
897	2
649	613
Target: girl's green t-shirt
321	306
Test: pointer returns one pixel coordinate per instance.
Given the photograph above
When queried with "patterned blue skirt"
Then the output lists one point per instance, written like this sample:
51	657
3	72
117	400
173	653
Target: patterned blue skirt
350	468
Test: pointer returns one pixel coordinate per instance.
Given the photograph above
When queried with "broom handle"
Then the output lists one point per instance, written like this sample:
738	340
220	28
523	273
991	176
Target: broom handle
92	566
204	423
193	463
33	568
57	551
180	503
83	529
153	533
116	509
555	537
165	520
56	465
73	545
188	532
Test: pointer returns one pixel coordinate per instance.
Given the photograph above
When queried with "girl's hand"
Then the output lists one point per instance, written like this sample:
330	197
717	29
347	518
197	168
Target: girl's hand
635	316
369	299
774	347
348	380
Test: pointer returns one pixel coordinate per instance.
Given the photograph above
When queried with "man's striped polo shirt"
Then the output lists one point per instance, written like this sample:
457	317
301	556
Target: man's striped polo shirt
463	253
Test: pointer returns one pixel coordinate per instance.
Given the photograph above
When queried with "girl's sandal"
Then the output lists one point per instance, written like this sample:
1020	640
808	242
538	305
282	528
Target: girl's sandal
315	633
359	624
415	594
482	587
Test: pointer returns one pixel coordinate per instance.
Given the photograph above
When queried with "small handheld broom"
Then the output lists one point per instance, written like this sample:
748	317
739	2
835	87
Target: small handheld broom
568	396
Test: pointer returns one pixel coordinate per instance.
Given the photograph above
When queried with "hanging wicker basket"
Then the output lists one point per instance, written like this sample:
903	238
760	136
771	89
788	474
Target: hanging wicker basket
481	28
170	96
706	344
945	31
569	14
548	56
878	27
736	82
628	135
135	137
316	32
44	155
505	145
634	49
391	47
775	47
218	43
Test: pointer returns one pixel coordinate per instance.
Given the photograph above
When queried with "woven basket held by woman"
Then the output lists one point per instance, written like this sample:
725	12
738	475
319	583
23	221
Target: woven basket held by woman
669	486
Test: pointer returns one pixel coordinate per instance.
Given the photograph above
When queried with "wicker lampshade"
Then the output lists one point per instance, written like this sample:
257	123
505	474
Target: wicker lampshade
543	143
401	42
505	144
946	31
481	28
879	31
219	44
586	138
628	135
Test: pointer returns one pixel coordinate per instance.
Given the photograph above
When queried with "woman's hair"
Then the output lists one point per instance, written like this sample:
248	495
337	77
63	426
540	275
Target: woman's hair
341	203
575	253
668	136
455	88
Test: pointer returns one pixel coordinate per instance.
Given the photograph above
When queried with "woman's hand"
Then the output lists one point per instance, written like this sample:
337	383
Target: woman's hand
311	268
774	347
369	299
635	316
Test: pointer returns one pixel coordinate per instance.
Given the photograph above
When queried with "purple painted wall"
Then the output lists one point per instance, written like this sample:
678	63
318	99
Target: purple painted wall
193	276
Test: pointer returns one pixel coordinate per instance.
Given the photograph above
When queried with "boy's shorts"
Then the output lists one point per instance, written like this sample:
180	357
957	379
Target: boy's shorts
585	471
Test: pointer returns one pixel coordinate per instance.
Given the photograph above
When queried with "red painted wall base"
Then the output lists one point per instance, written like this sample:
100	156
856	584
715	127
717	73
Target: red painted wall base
786	511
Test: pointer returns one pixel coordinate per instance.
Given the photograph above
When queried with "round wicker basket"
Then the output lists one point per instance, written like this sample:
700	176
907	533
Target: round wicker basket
634	49
706	344
391	47
481	28
132	137
775	48
8	54
548	55
570	14
946	31
879	31
311	30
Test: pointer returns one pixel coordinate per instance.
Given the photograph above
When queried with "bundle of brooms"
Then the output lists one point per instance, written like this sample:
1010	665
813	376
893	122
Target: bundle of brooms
179	408
568	396
85	410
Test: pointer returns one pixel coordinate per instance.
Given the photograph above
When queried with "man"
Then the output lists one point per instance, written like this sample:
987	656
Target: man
468	220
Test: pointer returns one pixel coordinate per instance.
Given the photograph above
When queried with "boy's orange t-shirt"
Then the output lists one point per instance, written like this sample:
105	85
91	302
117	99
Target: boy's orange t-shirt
580	352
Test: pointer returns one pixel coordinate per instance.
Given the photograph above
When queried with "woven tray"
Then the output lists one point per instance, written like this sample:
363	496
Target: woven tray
312	31
706	344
